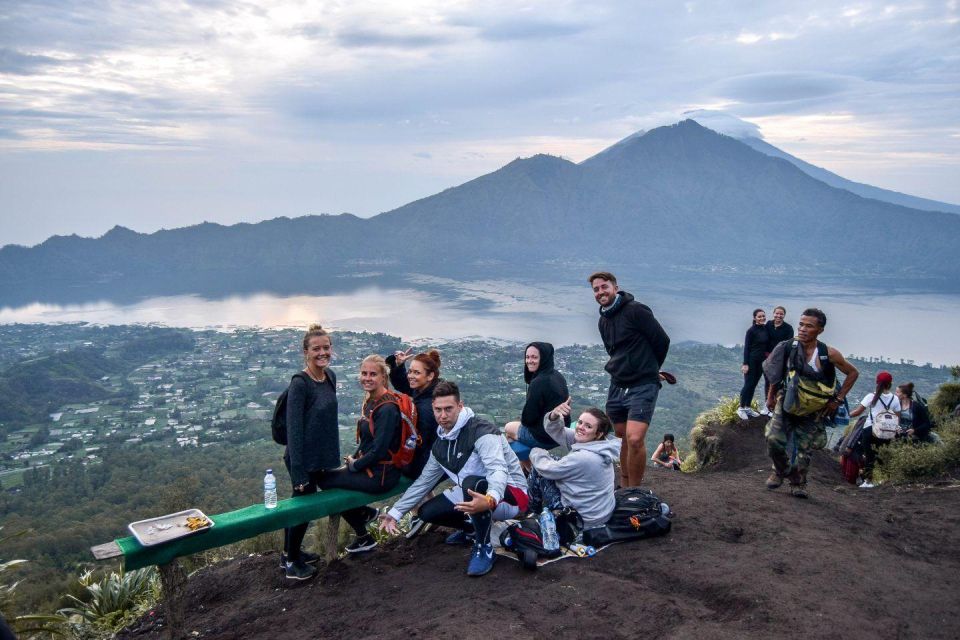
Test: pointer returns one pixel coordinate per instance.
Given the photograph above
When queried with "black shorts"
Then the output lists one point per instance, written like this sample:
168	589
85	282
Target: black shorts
632	403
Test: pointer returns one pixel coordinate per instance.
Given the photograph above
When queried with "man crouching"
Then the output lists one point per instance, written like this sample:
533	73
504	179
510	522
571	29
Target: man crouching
477	458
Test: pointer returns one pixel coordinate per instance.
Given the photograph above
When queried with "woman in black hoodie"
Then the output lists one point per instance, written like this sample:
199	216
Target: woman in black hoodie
546	388
418	380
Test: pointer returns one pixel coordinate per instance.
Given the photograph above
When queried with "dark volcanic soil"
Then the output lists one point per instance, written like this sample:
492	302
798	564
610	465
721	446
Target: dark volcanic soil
741	562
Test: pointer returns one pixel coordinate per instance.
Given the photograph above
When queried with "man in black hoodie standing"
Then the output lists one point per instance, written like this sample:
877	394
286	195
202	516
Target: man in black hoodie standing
637	346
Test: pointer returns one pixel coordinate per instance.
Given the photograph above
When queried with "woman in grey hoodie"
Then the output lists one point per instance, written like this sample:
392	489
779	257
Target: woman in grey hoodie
584	478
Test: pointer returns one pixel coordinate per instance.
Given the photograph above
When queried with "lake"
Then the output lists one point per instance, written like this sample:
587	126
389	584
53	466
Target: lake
918	327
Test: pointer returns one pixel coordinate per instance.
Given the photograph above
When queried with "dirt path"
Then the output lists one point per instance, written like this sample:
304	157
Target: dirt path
741	562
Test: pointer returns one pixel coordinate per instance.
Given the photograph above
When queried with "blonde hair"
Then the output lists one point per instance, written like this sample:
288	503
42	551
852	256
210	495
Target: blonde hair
384	373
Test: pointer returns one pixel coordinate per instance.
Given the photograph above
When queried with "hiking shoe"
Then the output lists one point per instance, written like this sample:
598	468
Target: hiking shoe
774	481
300	570
361	544
751	413
305	556
742	413
417	526
459	537
481	560
765	412
799	491
866	484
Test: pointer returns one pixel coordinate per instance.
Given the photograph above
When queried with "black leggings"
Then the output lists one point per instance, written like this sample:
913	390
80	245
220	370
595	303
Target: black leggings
440	511
293	536
750	380
870	452
384	478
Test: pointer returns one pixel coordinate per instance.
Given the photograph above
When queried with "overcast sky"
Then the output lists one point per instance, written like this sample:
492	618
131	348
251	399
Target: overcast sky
162	114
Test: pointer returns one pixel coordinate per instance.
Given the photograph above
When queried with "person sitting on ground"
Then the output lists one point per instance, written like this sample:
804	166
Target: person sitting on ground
418	381
915	420
756	346
881	399
582	480
546	388
313	441
667	455
488	481
370	468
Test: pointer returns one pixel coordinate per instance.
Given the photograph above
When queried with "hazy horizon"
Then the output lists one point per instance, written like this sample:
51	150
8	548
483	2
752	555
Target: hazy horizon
168	114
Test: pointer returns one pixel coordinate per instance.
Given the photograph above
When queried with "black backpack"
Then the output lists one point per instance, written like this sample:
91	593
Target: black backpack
525	539
278	424
639	514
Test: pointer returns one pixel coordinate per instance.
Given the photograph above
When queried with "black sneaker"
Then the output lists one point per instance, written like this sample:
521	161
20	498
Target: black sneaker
300	571
305	556
417	526
361	544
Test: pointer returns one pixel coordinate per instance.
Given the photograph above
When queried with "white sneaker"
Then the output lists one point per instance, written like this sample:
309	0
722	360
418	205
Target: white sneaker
752	413
765	412
866	484
742	413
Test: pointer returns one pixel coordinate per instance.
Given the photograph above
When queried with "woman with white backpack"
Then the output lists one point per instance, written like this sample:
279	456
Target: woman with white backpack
882	422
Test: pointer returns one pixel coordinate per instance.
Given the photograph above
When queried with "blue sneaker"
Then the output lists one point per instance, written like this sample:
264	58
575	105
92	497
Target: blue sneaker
459	538
481	560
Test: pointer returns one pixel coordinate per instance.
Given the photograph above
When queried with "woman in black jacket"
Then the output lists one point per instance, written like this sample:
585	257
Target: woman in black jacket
370	468
756	346
418	380
313	443
914	416
546	388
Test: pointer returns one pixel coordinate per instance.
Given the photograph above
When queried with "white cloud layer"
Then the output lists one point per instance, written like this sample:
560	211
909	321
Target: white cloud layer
168	113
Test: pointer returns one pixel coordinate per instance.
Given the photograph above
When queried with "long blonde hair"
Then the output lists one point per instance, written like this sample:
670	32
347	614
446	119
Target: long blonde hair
384	373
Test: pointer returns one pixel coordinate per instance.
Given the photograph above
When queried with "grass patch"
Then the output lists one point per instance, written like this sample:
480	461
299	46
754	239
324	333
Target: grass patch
905	462
704	444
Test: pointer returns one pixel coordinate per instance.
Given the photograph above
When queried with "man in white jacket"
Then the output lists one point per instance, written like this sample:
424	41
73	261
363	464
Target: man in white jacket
584	477
488	481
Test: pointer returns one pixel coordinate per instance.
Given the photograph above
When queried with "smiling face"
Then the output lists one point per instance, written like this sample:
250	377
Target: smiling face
778	314
604	291
418	376
586	429
760	318
371	378
318	352
532	359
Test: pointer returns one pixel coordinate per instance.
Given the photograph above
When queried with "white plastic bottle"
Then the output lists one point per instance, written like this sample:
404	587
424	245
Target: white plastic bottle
269	490
548	529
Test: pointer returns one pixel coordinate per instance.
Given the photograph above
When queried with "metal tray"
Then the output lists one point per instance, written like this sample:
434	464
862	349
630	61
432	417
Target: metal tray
165	528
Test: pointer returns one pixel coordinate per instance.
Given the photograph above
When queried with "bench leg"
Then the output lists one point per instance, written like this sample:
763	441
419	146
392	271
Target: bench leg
173	580
331	540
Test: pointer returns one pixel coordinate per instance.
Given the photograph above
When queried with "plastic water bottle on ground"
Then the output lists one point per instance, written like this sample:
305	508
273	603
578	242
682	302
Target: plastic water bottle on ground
548	529
583	550
269	490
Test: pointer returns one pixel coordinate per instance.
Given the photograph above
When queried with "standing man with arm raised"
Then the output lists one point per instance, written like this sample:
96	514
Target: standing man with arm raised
637	346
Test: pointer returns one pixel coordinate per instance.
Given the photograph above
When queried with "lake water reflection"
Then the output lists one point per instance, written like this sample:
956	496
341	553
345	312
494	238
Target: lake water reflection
918	327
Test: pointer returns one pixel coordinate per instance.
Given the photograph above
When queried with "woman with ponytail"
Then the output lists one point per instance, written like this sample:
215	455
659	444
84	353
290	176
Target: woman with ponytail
370	468
881	399
418	380
313	442
914	416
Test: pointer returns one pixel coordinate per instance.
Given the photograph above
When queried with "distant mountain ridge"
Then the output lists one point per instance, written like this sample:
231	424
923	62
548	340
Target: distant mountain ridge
681	196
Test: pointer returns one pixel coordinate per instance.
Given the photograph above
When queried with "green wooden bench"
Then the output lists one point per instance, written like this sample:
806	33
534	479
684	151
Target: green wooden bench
235	526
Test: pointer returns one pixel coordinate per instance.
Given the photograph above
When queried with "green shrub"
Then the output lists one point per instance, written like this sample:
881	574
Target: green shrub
724	413
944	400
704	444
903	461
114	600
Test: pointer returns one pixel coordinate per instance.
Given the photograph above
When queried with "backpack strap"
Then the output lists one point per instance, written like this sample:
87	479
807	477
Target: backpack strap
386	398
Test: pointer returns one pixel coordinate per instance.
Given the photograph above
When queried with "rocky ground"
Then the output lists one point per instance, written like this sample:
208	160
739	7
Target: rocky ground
741	562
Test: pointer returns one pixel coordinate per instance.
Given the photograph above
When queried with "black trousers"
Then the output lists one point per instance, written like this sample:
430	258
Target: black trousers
384	479
440	510
750	380
293	536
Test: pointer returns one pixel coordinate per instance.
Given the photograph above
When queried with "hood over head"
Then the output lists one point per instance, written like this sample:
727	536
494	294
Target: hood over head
546	360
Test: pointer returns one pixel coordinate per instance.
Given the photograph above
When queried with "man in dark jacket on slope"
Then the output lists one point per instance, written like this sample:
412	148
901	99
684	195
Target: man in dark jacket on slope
637	346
